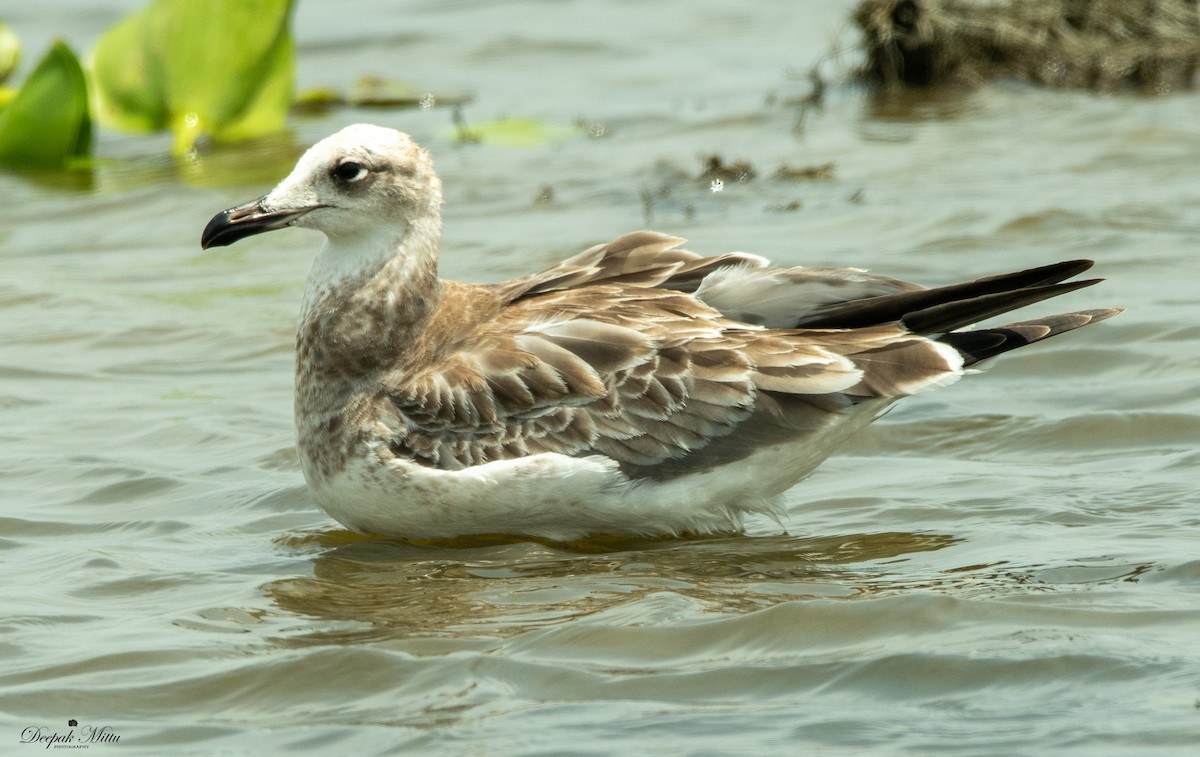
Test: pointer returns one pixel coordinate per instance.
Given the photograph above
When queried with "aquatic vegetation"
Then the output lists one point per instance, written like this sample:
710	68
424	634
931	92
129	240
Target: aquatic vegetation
10	58
47	123
10	52
222	69
515	132
1103	45
374	92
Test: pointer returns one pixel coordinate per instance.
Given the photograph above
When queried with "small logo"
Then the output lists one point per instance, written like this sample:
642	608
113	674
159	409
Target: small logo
72	722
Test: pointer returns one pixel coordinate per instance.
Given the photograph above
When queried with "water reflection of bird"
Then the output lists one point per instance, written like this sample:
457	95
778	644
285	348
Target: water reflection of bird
386	589
635	388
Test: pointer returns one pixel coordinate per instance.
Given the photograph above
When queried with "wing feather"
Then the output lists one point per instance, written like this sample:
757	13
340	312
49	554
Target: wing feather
666	361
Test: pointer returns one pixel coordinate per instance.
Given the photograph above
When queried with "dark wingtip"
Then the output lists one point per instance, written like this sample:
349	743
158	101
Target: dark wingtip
952	315
935	309
1069	268
976	346
1102	314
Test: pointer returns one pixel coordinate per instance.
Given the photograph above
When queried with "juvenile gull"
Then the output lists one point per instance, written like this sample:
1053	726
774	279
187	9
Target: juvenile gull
635	388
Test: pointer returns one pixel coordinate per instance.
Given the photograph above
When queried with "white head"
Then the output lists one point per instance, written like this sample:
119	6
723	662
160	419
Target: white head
362	183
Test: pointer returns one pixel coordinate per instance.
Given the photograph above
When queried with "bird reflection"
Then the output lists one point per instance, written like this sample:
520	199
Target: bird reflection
375	589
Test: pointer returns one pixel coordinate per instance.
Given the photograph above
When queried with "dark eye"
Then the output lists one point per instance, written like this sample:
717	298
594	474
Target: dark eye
350	171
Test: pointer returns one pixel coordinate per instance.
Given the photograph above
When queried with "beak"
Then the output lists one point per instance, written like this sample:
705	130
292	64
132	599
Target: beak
229	226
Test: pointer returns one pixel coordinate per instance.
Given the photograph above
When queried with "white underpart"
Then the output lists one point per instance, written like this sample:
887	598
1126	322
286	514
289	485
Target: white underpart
564	498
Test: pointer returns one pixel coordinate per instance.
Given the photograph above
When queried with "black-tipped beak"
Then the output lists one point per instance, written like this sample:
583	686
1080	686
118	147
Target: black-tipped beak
229	226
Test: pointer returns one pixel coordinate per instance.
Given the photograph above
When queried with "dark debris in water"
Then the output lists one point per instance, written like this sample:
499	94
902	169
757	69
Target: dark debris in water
717	169
819	172
544	196
717	173
1145	46
786	207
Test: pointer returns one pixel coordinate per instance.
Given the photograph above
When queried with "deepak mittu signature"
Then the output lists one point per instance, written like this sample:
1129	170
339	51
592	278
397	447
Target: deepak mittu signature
76	736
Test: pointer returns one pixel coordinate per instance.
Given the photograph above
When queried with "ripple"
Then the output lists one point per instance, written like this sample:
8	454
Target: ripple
144	487
995	434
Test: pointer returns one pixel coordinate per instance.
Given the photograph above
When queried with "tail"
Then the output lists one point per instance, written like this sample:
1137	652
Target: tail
938	312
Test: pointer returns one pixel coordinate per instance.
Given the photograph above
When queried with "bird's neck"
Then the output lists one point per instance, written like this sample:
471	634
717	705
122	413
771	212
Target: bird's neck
391	272
368	296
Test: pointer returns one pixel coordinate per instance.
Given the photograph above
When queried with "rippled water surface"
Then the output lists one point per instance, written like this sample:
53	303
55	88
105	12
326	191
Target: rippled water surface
1011	565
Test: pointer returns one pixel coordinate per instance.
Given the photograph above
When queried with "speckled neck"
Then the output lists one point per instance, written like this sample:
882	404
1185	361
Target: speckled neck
365	303
367	297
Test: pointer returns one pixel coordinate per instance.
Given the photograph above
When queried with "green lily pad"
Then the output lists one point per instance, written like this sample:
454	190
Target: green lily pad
47	123
516	132
221	68
10	53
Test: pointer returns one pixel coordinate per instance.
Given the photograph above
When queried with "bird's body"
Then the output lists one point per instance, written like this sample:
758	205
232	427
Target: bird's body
635	388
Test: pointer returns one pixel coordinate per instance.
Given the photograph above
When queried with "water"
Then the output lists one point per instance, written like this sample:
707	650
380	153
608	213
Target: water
1006	566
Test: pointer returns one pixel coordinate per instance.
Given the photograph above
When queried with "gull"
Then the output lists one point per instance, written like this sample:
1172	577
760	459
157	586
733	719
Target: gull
633	389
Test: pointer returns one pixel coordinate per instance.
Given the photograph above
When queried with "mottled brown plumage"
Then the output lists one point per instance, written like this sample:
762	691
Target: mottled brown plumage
427	407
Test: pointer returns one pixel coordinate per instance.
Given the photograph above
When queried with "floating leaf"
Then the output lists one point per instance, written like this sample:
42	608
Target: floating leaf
374	92
47	123
378	92
222	68
516	132
10	53
317	100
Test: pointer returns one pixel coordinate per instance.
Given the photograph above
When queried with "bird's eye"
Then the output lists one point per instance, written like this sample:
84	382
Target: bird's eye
350	171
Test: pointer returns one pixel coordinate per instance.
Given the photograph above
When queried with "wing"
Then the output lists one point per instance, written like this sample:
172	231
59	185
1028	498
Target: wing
644	376
741	286
745	288
606	369
666	361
